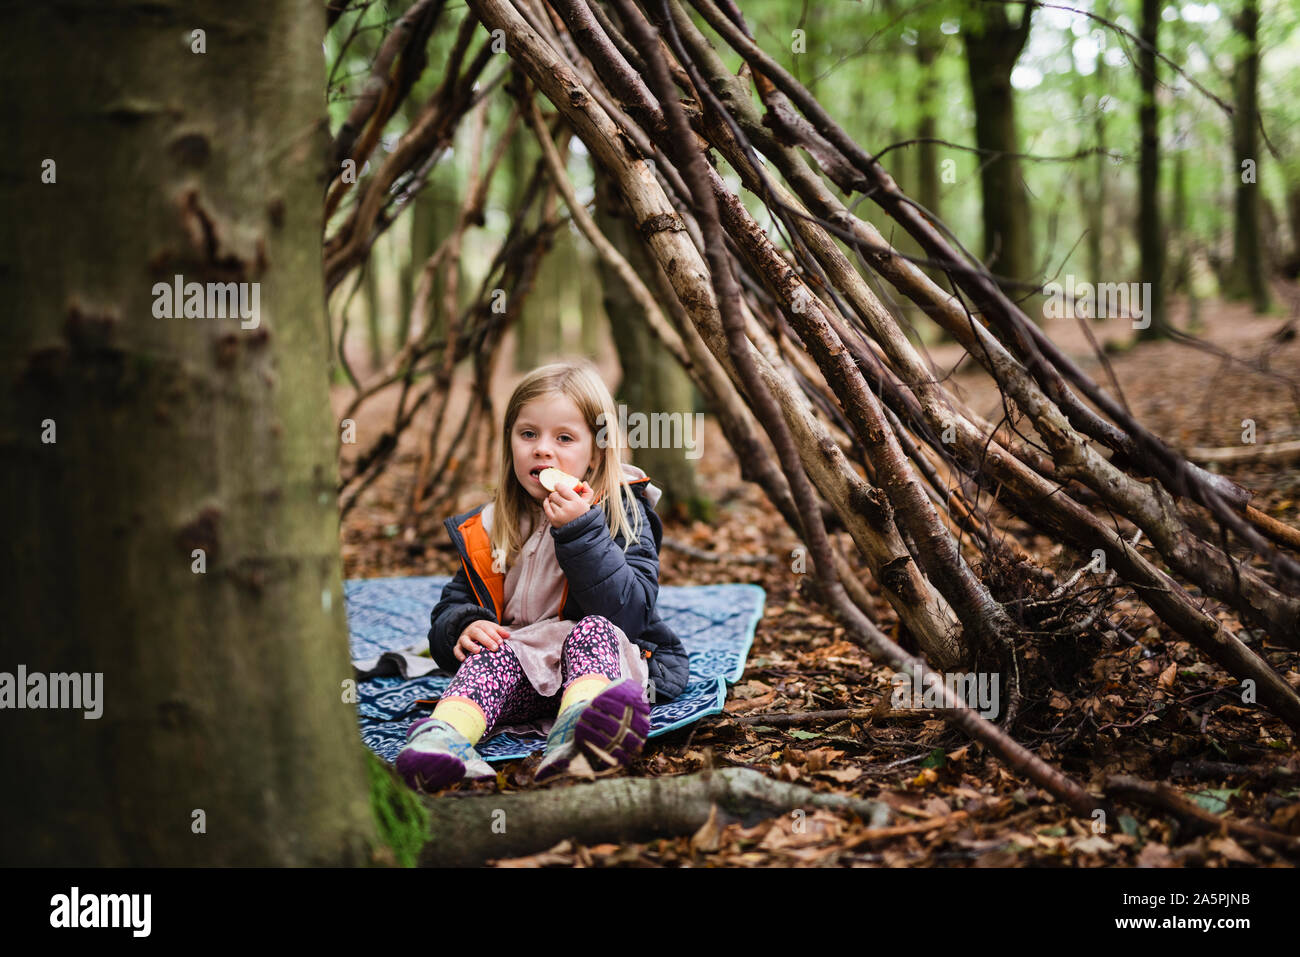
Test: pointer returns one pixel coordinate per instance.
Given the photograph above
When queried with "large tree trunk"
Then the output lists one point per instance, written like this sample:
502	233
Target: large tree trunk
993	44
653	382
1248	274
1151	240
137	446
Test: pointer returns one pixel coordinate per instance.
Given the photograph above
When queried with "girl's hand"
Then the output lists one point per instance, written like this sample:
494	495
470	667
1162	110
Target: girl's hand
567	503
479	635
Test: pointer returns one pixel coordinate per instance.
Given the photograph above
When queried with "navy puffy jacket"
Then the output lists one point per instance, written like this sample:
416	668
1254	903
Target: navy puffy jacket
603	580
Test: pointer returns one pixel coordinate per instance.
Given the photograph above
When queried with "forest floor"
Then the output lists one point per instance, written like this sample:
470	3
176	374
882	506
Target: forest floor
1135	700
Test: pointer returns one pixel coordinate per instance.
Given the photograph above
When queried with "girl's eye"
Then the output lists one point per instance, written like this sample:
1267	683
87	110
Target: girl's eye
528	434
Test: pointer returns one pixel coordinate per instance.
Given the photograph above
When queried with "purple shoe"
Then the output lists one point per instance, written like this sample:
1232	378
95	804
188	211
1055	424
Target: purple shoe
608	731
436	755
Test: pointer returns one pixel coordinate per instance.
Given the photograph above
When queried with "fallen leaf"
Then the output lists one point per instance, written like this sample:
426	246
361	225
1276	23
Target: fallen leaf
742	706
842	775
935	759
1215	800
560	854
788	772
937	806
1155	855
1232	850
750	689
1094	844
709	836
821	758
799	829
1287	819
1167	678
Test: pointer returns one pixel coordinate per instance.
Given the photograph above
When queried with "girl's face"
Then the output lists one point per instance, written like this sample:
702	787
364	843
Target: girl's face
550	432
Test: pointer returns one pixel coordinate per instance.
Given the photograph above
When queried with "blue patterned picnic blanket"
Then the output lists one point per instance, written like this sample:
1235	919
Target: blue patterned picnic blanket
715	622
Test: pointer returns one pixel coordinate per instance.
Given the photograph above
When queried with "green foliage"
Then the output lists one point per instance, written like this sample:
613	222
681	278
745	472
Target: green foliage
861	61
935	759
401	819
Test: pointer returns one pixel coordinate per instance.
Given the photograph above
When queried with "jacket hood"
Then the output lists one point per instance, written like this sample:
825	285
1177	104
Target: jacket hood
652	491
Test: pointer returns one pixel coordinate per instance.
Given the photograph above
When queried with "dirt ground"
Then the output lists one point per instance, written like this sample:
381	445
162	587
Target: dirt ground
1145	703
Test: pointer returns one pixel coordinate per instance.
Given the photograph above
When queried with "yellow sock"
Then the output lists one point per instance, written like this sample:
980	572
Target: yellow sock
463	715
583	689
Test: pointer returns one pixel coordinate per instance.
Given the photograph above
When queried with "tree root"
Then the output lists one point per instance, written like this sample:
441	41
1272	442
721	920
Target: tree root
1154	794
470	830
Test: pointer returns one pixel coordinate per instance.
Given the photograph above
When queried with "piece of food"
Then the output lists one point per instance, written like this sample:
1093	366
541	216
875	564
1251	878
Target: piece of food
551	477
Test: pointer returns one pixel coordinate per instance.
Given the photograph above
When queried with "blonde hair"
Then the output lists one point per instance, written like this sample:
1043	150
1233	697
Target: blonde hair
581	383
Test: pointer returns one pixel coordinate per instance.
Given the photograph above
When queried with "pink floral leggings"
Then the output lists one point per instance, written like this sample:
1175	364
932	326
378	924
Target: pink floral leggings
495	681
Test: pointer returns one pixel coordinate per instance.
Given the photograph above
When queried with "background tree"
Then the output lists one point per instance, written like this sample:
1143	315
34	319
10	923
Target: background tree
1248	275
1151	238
994	42
652	381
1093	97
929	47
538	325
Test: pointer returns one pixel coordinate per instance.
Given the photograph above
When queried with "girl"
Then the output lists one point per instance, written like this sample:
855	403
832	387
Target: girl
552	612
